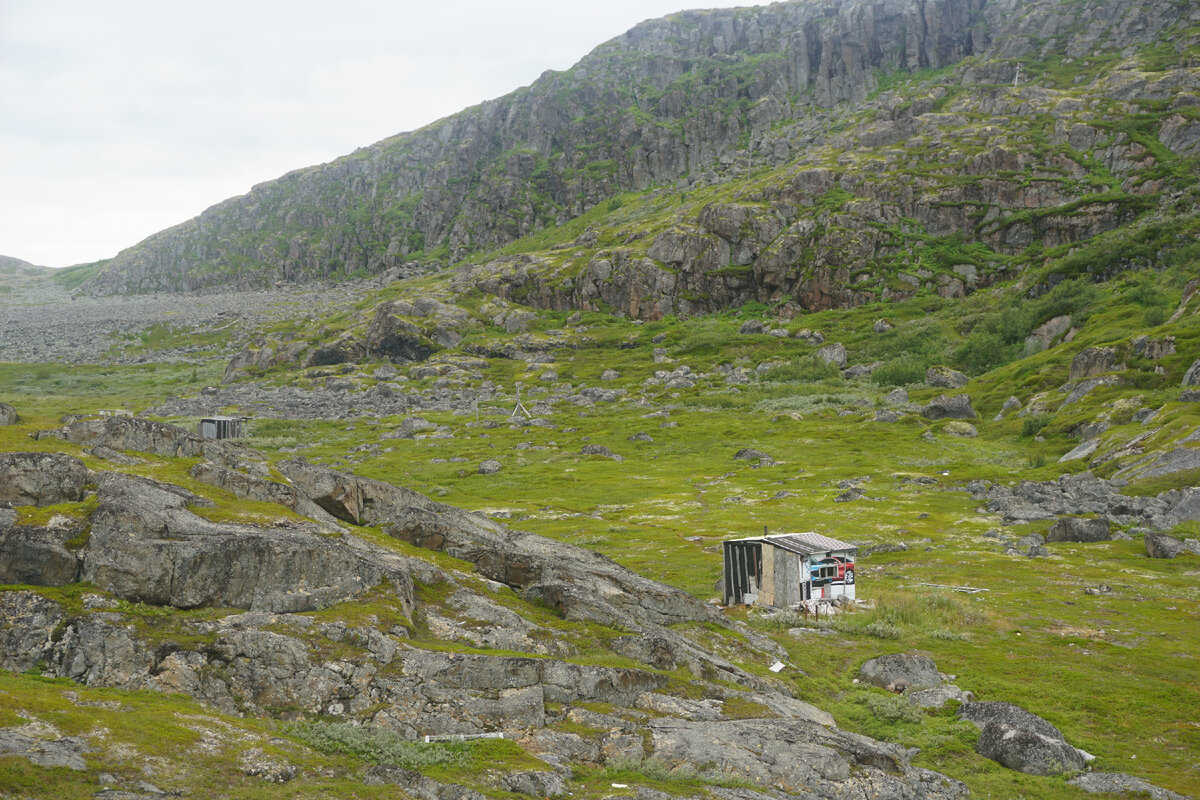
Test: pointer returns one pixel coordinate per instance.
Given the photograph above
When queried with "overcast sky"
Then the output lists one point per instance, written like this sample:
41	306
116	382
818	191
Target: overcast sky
124	117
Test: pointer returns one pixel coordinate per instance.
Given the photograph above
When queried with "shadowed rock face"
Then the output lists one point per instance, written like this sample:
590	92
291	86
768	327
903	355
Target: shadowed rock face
1079	529
360	501
395	338
37	555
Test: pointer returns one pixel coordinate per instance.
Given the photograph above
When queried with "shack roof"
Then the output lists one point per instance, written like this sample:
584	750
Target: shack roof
806	544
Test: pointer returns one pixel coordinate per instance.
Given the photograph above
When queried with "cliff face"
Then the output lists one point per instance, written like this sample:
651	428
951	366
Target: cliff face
691	96
669	97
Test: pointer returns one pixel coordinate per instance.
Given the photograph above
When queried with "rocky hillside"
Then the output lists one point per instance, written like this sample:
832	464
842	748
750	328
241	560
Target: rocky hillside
578	659
464	516
894	120
15	273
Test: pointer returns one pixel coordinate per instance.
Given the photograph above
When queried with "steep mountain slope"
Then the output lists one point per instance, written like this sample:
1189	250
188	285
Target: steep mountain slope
692	99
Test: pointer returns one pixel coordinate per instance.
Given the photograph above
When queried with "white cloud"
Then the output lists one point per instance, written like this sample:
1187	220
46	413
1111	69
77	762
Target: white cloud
119	119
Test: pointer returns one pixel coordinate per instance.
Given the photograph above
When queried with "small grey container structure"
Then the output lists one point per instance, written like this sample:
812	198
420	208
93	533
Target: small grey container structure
221	428
786	569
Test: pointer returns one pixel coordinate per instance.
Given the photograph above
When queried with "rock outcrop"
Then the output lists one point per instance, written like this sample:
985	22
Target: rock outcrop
1118	783
579	583
798	757
260	355
8	415
147	546
1084	493
1092	361
1027	751
1192	376
41	479
134	433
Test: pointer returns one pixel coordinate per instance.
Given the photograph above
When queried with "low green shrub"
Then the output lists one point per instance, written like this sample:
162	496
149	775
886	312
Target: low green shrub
882	629
1032	426
378	745
893	708
900	372
803	369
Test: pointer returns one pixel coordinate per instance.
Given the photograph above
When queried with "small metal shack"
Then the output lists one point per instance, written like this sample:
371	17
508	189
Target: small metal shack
221	428
785	569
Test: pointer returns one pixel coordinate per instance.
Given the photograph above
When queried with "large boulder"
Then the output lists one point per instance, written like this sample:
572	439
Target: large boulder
1010	405
938	696
8	415
41	479
1021	740
834	354
1160	545
1047	334
352	499
963	430
395	338
901	672
1027	751
262	354
340	351
1080	529
949	407
1153	349
751	326
945	378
